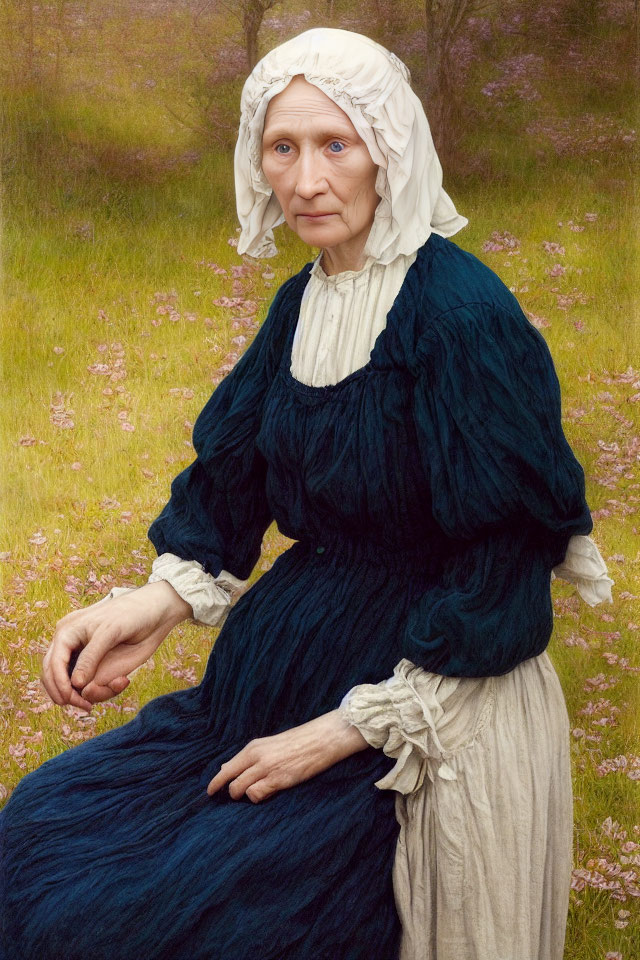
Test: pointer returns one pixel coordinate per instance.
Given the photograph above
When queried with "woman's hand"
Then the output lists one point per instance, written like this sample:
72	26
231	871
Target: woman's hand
269	764
113	638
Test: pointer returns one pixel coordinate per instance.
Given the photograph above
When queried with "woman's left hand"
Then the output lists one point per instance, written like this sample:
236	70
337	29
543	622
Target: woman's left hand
268	764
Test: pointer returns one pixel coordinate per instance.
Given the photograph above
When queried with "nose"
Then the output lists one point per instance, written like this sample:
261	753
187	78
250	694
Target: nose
310	179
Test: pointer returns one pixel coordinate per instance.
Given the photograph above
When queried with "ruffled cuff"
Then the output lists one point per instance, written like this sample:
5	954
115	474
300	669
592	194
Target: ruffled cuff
403	721
583	565
211	598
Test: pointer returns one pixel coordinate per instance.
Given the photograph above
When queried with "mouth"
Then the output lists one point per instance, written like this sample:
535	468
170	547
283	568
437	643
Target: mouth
315	216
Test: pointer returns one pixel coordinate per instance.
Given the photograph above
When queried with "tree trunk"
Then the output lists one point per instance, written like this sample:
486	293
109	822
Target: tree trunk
60	31
30	42
434	77
254	11
443	20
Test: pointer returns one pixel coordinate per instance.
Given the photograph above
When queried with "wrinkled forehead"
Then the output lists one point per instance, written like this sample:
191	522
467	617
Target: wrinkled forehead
363	124
304	101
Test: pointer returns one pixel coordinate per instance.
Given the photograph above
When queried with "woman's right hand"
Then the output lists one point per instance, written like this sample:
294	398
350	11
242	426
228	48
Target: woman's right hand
113	637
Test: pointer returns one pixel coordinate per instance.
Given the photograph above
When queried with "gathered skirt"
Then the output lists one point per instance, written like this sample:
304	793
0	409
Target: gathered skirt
483	860
113	849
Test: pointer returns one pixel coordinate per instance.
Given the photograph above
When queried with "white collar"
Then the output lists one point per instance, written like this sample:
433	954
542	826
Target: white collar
351	276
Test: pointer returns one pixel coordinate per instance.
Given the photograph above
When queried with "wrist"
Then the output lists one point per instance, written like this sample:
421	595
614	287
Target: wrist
347	736
176	608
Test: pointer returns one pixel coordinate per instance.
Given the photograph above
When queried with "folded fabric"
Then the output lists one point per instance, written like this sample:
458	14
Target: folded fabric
421	719
404	716
583	565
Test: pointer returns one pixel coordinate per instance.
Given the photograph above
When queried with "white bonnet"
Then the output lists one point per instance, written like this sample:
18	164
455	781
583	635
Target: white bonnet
373	87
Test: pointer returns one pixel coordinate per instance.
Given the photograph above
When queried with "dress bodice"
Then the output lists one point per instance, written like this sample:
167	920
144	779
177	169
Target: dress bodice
340	318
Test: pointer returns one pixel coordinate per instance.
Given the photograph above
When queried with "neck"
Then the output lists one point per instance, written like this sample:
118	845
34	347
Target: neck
345	257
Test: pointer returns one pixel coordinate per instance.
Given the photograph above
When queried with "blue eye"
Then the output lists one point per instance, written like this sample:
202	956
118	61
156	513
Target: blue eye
339	144
282	145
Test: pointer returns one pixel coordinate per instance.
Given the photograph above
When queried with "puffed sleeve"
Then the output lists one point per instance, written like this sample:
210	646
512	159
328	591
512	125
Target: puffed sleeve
507	491
507	497
218	513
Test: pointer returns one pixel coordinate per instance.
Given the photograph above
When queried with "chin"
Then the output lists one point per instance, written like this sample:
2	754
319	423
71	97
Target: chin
321	235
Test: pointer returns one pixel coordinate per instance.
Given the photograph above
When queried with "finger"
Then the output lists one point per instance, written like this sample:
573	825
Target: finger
67	642
97	692
47	682
251	776
59	669
75	699
90	656
47	675
228	770
115	686
260	791
48	679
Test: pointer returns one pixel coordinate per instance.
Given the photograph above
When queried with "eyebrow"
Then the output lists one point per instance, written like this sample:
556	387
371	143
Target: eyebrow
322	133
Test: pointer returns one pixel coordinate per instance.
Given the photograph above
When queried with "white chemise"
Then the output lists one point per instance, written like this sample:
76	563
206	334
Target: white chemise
482	767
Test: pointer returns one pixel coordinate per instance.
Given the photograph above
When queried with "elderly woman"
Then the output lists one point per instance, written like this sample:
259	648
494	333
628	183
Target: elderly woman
376	763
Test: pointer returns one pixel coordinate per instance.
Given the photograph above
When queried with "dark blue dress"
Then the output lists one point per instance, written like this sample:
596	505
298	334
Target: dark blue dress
429	493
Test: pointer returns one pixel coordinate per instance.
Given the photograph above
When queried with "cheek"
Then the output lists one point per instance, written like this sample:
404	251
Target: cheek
371	175
270	173
362	181
277	182
272	170
364	198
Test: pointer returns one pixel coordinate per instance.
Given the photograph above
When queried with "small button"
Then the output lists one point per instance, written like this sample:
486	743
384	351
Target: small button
319	549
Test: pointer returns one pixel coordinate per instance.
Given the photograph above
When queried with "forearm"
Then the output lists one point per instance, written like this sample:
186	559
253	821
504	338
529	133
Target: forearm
176	608
346	737
161	595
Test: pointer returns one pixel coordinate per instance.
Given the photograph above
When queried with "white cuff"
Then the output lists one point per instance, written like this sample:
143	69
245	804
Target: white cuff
584	566
211	598
401	716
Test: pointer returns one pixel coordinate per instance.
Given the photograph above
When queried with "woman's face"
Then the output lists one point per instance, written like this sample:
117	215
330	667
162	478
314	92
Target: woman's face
316	163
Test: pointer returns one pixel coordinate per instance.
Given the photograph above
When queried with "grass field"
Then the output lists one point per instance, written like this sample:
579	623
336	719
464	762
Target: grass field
118	251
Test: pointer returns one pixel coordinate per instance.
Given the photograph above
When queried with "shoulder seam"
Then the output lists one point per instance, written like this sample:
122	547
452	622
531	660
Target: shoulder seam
433	331
488	303
463	306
